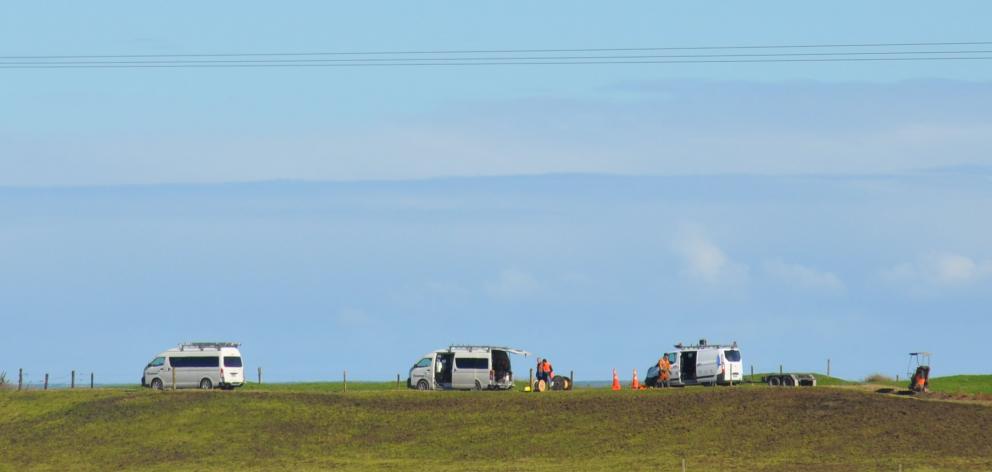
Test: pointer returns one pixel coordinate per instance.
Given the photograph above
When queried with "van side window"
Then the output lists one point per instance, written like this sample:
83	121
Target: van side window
156	362
672	358
194	361
472	363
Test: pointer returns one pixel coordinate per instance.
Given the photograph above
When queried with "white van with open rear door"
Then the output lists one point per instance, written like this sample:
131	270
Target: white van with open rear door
203	365
701	364
464	368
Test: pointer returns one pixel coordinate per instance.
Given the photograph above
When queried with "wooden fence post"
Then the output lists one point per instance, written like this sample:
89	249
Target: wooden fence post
345	377
397	381
752	373
20	378
530	378
780	369
46	381
260	376
91	380
571	376
72	383
828	367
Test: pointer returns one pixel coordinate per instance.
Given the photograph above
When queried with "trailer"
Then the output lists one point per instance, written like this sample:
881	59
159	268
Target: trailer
789	380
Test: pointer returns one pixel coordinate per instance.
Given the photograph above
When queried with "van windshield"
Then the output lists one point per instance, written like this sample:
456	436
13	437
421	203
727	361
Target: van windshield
156	362
232	362
732	356
423	362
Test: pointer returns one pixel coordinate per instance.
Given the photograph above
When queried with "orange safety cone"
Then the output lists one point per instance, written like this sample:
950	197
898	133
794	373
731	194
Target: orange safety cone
636	385
616	380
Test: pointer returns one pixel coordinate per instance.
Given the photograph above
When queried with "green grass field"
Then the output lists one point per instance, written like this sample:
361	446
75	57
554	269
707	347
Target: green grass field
373	426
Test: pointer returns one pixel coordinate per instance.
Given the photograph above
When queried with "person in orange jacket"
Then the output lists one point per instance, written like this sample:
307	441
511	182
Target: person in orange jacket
664	371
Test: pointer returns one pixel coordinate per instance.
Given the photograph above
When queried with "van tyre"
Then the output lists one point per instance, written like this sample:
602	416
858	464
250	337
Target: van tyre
478	385
157	384
206	384
422	385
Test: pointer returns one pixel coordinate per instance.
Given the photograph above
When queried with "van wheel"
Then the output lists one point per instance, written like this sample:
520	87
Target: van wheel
205	384
422	385
478	385
157	384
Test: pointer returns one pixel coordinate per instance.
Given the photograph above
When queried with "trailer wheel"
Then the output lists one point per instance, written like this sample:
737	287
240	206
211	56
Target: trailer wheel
774	382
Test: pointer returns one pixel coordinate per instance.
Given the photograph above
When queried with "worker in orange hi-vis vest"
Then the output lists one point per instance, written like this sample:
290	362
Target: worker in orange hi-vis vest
664	371
548	371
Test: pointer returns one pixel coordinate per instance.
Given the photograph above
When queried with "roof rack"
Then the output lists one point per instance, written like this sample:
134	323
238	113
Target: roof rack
705	345
484	348
201	345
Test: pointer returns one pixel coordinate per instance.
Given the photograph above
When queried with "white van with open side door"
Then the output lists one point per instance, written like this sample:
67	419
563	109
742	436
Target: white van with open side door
701	364
203	365
462	367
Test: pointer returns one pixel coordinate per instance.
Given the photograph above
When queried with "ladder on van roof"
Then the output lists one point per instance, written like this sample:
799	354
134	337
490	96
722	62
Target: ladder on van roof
201	345
705	345
469	347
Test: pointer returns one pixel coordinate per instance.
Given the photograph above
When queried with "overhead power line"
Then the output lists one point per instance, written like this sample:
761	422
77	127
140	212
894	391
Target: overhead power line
498	58
518	63
739	54
501	51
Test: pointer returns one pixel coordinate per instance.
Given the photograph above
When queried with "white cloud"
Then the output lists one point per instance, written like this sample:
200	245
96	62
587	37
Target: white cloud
803	277
947	269
707	262
513	284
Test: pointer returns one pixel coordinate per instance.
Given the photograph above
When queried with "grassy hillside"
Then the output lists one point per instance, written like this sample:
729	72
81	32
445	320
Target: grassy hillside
970	384
743	428
980	385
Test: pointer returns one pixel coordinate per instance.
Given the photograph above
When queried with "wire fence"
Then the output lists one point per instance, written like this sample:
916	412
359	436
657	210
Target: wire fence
20	379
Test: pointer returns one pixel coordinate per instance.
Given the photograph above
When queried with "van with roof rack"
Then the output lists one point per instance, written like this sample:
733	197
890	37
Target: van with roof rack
204	365
464	367
701	364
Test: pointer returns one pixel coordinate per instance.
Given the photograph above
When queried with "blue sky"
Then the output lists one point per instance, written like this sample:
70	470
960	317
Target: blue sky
806	210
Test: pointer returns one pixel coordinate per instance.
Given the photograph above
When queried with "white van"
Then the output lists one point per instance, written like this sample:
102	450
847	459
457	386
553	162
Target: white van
701	364
203	365
464	368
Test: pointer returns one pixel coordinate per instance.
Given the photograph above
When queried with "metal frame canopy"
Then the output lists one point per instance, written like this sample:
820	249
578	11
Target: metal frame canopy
921	358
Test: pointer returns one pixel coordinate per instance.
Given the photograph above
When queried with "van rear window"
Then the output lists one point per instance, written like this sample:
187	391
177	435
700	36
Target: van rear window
732	356
232	362
472	363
